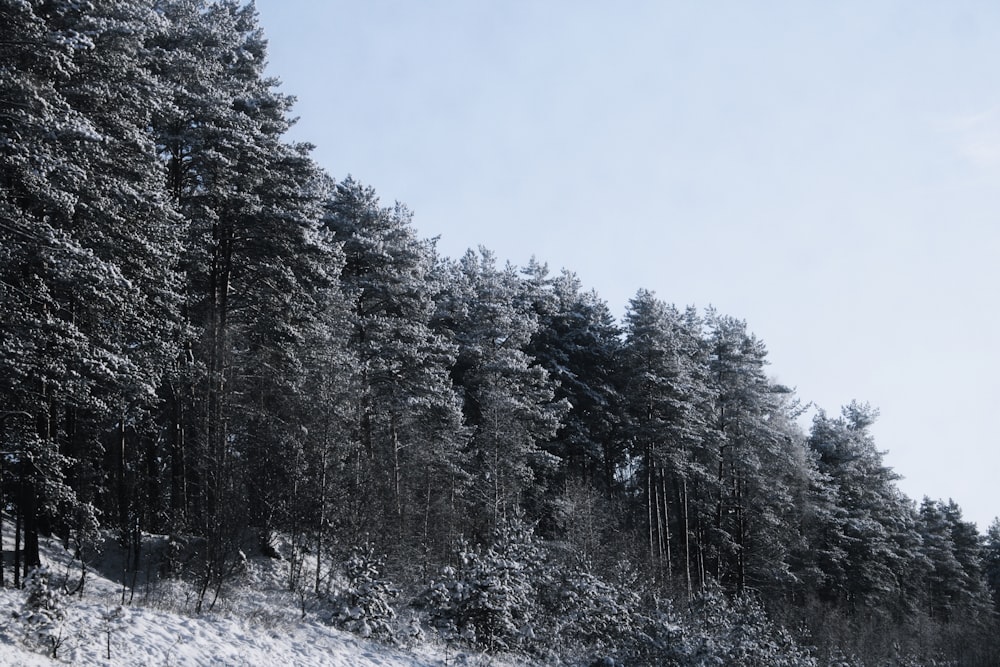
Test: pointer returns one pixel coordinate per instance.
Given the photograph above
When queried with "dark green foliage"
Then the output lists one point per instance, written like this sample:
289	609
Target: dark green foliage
737	631
667	404
578	343
87	281
871	543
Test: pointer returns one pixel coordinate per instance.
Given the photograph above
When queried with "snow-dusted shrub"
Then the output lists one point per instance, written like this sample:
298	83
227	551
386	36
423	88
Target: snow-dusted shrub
114	619
739	632
718	630
490	600
364	607
443	600
43	613
586	611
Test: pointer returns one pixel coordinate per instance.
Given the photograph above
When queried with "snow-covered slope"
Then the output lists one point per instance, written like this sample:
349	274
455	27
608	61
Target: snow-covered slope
257	622
143	636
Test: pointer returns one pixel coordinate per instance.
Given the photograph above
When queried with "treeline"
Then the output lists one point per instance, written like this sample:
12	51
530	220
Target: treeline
204	335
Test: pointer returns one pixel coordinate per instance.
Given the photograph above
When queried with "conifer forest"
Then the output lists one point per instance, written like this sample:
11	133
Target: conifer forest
203	336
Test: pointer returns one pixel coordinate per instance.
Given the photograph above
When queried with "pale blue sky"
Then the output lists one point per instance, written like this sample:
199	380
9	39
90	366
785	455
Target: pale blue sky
828	171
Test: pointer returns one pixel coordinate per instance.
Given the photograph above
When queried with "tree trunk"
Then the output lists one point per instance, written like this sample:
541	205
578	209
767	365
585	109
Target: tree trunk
18	524
178	467
32	557
649	510
427	505
396	476
687	534
665	539
741	536
122	483
321	522
28	491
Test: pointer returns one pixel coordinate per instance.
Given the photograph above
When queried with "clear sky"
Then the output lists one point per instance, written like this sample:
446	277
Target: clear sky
827	171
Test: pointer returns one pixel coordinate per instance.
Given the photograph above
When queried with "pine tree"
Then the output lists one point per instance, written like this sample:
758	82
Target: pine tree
289	339
125	214
90	283
761	462
365	607
38	257
584	610
819	557
491	599
295	469
43	614
874	561
991	562
944	581
667	399
258	288
508	399
408	428
955	584
577	343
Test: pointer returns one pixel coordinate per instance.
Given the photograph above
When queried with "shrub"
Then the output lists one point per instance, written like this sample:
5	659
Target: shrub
364	607
43	612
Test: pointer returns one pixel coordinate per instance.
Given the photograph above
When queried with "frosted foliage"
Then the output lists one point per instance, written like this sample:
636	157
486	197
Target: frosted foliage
365	608
43	612
490	599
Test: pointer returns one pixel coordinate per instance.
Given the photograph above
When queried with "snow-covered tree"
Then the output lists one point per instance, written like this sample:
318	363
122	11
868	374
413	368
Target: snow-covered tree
583	611
955	584
43	614
490	599
88	253
761	461
991	562
365	606
508	398
871	541
664	369
408	429
577	342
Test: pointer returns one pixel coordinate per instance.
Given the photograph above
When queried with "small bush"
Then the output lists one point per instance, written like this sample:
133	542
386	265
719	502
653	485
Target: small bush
43	613
364	607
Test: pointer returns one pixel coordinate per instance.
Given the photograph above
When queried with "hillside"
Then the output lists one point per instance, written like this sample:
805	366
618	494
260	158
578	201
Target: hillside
256	623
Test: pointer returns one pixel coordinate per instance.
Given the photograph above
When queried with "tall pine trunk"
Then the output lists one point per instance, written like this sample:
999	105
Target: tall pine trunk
665	539
687	533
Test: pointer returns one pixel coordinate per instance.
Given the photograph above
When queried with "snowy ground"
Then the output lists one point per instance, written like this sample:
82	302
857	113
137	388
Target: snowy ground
253	625
150	637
